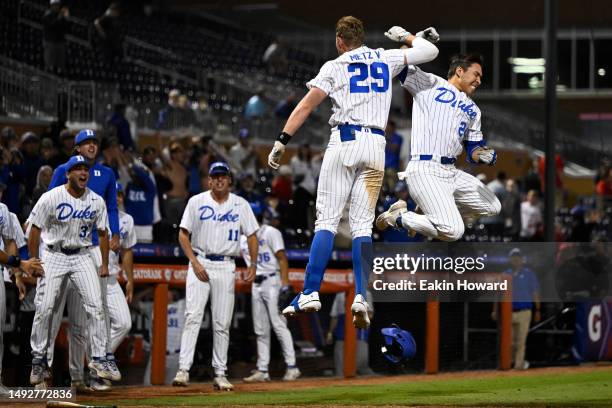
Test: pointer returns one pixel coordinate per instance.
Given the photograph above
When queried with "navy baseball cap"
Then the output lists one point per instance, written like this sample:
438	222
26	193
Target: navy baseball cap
84	135
218	168
77	160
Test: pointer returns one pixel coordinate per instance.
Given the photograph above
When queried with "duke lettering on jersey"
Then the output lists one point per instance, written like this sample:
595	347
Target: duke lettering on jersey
442	116
446	95
208	213
215	227
66	211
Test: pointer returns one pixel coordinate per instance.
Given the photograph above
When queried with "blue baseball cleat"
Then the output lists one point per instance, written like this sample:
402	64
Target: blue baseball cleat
303	303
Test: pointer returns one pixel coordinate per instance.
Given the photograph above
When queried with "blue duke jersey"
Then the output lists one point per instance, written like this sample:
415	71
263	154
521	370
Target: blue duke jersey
270	242
67	221
215	228
127	239
102	181
442	116
359	85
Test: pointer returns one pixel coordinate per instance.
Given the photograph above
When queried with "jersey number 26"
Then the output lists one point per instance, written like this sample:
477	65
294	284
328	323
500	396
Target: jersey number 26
378	71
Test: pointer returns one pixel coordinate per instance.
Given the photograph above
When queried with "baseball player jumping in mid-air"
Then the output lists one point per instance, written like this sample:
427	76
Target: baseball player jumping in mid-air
210	237
65	217
102	182
444	117
359	84
272	272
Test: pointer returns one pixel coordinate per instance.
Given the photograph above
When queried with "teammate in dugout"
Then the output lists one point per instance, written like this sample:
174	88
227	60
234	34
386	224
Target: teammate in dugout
210	237
444	117
271	278
65	217
102	182
358	82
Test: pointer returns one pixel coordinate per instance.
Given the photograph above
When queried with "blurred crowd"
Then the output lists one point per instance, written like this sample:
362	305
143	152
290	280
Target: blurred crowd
159	177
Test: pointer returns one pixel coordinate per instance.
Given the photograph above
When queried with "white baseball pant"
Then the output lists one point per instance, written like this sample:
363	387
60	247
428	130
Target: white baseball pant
264	300
350	170
80	270
220	288
118	323
446	195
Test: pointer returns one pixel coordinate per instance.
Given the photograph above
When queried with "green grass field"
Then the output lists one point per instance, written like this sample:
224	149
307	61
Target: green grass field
583	389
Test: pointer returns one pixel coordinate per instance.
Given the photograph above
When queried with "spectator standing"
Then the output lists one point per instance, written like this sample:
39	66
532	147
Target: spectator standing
109	34
65	150
525	298
282	185
175	170
248	192
187	116
55	27
121	127
169	114
8	138
205	118
243	157
140	200
32	161
255	107
305	188
285	107
496	223
531	217
511	208
392	153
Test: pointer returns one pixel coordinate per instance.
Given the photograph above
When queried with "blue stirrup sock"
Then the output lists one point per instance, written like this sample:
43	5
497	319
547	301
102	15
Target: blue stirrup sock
320	252
361	276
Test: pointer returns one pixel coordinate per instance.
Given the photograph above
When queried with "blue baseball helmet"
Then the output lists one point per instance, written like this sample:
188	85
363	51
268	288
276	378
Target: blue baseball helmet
399	344
119	187
84	135
77	160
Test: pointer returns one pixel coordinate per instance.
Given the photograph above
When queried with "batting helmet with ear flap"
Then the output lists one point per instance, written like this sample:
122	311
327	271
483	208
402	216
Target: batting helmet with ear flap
399	344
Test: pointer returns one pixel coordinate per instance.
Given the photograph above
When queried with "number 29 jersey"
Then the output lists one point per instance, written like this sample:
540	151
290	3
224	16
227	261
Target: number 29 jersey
359	85
215	228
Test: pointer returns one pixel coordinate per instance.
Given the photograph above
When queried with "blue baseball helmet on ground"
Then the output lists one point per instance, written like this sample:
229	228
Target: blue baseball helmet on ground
399	344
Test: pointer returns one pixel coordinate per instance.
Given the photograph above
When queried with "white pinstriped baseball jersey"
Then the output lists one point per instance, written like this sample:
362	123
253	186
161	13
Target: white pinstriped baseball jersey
17	231
359	85
216	227
6	226
68	221
270	242
442	116
127	239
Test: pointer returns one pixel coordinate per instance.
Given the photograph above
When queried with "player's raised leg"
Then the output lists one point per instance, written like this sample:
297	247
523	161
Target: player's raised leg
431	187
473	197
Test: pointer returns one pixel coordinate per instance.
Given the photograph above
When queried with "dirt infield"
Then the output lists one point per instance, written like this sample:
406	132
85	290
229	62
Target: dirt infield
136	392
202	389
